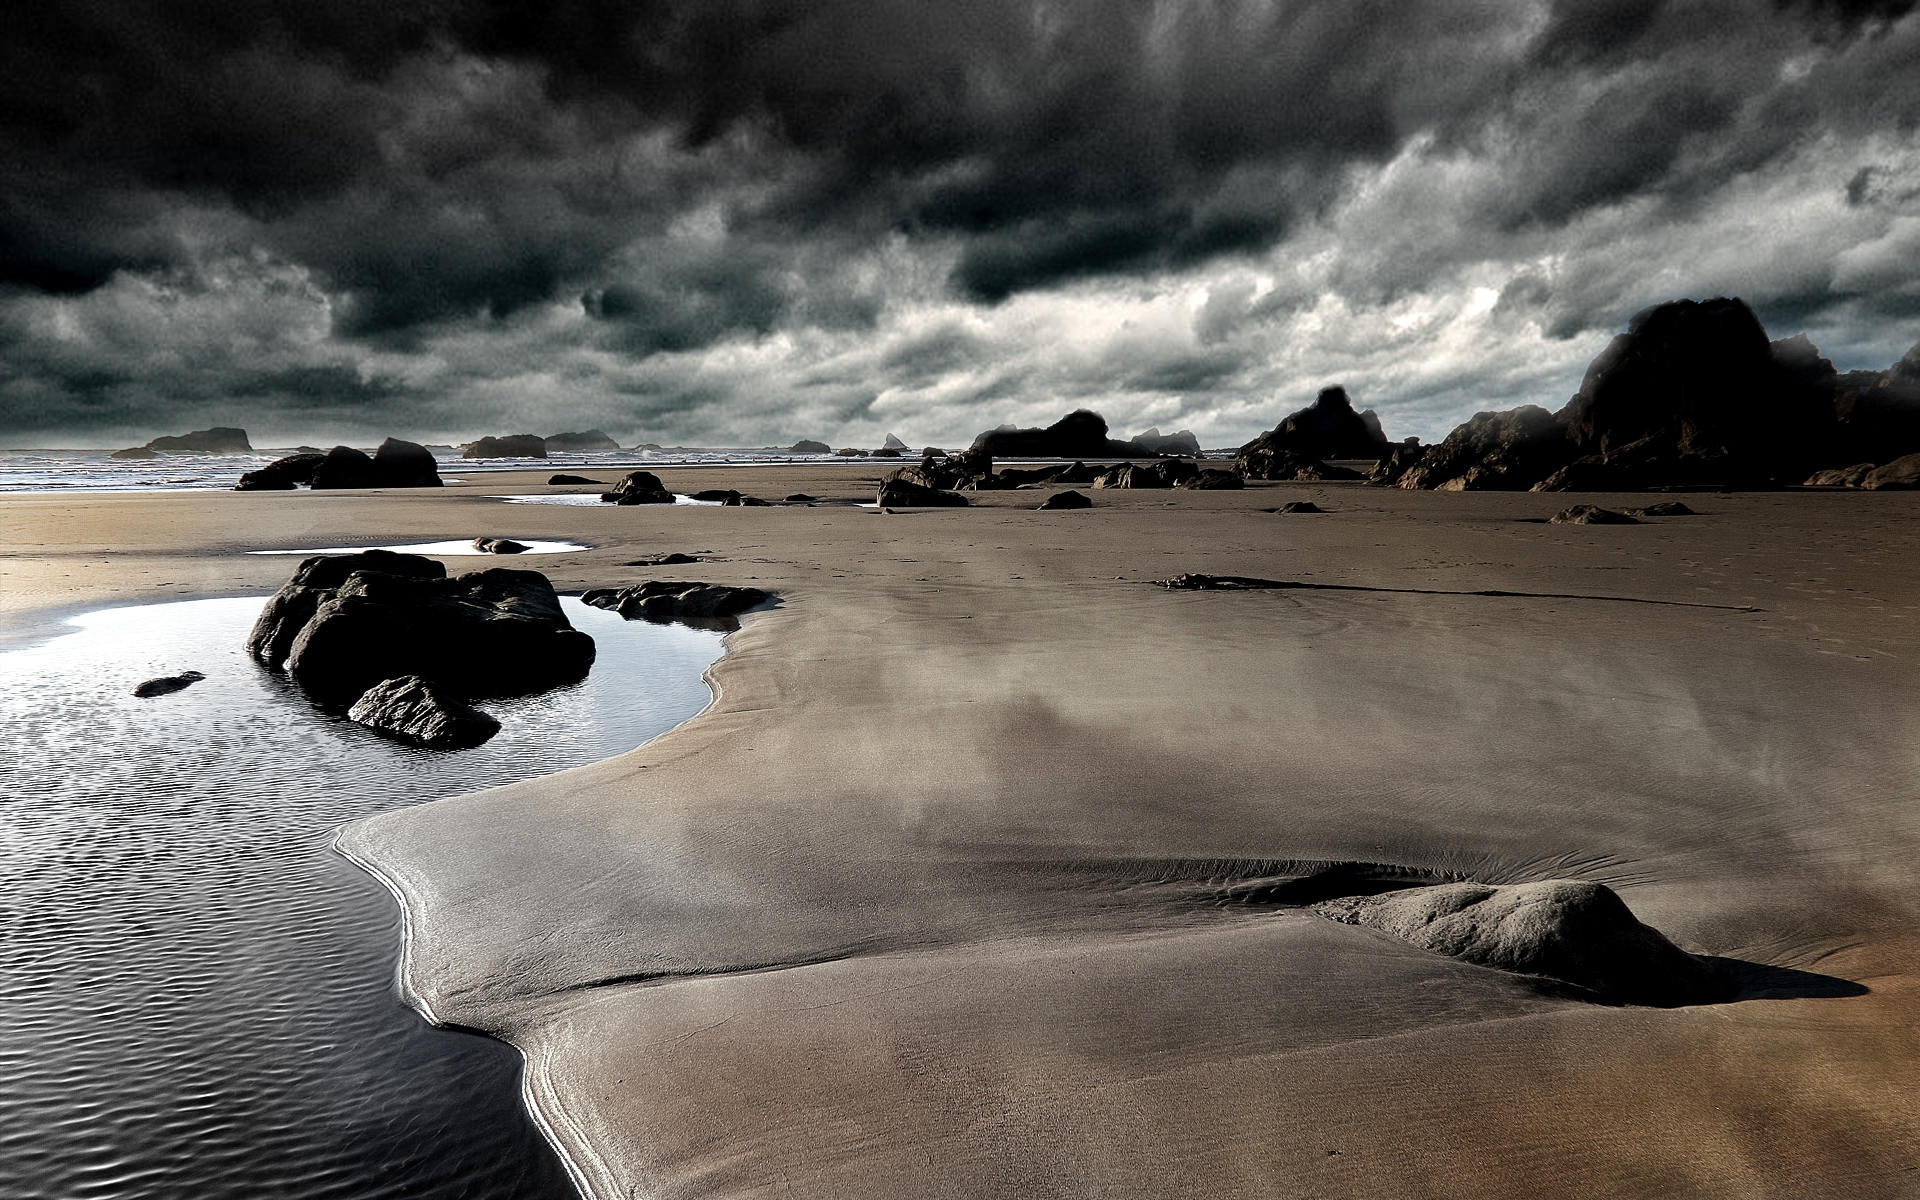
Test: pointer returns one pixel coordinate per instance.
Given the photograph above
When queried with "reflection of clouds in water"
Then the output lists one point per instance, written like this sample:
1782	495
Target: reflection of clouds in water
200	991
442	548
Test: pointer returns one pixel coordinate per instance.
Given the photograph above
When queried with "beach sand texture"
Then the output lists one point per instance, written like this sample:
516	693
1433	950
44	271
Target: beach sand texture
940	897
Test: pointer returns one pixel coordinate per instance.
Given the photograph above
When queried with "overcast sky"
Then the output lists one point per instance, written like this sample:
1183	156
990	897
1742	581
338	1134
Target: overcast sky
741	222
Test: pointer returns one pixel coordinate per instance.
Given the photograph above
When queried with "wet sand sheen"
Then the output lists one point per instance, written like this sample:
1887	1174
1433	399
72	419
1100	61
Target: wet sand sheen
900	915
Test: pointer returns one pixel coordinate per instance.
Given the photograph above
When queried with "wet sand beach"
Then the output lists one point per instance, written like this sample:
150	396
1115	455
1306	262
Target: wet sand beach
954	889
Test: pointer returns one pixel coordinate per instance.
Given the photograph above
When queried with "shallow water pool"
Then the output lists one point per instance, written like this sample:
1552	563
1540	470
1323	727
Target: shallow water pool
199	992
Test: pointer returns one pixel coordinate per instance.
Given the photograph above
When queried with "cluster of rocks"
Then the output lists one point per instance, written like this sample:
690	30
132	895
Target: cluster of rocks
1692	393
1080	434
395	464
661	600
532	445
345	625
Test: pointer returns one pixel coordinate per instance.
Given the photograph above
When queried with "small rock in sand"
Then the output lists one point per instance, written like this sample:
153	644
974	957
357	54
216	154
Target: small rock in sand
1666	508
1570	930
901	493
1590	514
168	684
561	480
665	560
800	498
1068	499
1300	506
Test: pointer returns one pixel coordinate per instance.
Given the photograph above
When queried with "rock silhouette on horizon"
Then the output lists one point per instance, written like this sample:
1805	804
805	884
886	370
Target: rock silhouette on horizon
513	445
1298	447
1080	434
588	441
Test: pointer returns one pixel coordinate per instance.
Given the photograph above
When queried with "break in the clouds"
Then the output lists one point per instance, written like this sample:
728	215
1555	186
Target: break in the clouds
745	221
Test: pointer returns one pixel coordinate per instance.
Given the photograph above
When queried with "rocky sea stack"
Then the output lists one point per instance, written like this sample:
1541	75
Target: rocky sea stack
1080	434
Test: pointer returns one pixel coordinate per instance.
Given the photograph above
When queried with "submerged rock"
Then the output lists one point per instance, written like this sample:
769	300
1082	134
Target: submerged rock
903	493
342	624
1589	514
513	445
661	600
1067	499
166	685
638	487
1573	931
491	545
282	474
415	710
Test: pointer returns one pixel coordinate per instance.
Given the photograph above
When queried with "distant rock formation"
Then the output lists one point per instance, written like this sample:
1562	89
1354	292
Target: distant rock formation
1183	443
395	464
807	446
135	452
1327	428
1080	434
894	444
221	439
285	474
638	487
514	445
344	623
1691	393
574	443
412	709
1572	931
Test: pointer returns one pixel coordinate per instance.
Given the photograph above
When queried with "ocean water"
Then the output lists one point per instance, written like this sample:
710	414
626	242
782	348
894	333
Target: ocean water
98	471
198	991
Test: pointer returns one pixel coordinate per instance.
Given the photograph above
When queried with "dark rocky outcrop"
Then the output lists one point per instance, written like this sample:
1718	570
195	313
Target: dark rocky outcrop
807	446
1080	434
1300	506
394	464
585	442
1666	508
662	600
1182	444
1590	514
801	498
904	493
1840	477
638	487
736	500
713	495
1570	931
1214	481
344	623
282	474
221	439
1494	451
411	709
1068	499
1901	473
1404	457
1164	474
166	685
1076	472
1327	428
851	452
563	480
135	452
513	445
493	545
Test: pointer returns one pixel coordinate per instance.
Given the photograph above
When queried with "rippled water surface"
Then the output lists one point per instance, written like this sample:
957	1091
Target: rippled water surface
199	994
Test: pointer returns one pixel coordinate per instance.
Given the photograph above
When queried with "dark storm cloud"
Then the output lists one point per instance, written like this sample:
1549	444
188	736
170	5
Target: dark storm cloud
681	175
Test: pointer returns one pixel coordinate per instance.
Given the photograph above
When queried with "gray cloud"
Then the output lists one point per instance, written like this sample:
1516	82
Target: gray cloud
740	219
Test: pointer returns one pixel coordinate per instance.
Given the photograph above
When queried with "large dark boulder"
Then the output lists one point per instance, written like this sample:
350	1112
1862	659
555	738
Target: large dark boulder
1165	474
1327	428
1572	931
662	600
315	580
415	710
490	633
513	445
1901	473
166	685
282	474
638	487
574	443
221	439
904	493
1080	434
1495	451
395	464
1064	500
806	446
